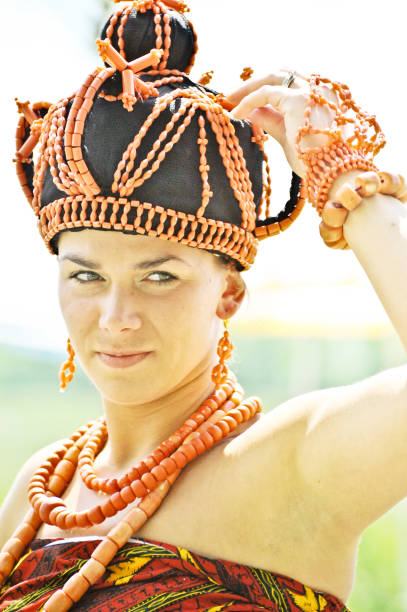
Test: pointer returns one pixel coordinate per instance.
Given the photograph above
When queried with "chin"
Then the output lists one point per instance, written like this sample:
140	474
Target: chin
127	393
126	387
140	384
125	397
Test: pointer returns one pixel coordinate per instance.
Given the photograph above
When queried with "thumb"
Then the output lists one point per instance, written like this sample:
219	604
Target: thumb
271	120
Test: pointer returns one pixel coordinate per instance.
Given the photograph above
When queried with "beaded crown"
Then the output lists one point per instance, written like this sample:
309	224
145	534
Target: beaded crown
141	148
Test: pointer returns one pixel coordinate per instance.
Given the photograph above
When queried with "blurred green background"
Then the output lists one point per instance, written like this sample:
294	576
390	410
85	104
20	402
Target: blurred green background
34	413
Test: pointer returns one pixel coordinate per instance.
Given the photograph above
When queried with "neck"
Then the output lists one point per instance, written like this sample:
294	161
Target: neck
135	431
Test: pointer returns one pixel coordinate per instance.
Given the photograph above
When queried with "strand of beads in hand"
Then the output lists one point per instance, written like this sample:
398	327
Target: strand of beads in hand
323	133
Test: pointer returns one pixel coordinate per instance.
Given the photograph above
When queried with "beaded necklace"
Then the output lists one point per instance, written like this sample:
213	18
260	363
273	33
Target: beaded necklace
149	481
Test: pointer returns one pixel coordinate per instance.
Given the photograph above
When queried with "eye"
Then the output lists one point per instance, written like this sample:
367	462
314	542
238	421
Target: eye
160	277
85	276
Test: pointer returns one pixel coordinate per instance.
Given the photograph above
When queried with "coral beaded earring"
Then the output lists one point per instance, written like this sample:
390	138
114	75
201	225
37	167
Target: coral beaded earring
224	350
67	369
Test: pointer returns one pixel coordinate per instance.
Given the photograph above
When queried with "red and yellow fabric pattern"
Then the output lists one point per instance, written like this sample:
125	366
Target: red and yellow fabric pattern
147	576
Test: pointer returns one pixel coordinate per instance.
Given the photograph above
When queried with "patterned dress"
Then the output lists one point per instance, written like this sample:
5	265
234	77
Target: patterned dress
147	576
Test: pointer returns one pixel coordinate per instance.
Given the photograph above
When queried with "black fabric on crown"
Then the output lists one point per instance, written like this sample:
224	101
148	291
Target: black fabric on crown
177	184
140	37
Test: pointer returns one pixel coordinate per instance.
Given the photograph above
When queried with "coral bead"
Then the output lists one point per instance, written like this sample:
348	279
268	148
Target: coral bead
58	602
215	432
138	488
339	244
76	587
96	515
111	486
180	459
60	520
127	495
224	427
159	473
402	195
57	484
121	533
47	506
82	519
15	547
169	465
7	562
348	197
108	509
65	469
198	445
189	451
206	439
149	481
150	503
123	481
105	551
136	519
330	234
389	183
367	183
25	532
334	214
117	501
92	570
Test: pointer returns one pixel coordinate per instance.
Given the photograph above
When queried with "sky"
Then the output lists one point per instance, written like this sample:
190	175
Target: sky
297	284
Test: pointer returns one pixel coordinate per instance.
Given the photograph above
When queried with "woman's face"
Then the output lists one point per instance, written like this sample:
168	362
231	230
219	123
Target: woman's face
124	294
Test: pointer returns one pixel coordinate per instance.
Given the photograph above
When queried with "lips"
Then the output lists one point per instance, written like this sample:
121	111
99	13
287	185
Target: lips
114	353
121	359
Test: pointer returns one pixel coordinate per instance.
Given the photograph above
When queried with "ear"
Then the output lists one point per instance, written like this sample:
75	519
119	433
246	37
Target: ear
232	296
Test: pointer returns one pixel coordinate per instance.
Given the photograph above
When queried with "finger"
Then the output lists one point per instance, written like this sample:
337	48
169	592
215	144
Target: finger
270	120
296	73
329	94
275	96
274	78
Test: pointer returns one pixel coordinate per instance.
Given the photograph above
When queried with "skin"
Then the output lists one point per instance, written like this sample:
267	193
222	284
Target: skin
121	307
292	492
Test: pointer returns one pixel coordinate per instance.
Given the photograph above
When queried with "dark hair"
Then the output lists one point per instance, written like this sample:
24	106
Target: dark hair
221	257
225	259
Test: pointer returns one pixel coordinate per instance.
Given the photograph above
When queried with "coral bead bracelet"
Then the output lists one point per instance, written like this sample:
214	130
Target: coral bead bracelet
335	212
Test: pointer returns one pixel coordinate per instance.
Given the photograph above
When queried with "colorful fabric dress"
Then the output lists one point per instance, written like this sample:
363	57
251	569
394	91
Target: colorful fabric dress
147	576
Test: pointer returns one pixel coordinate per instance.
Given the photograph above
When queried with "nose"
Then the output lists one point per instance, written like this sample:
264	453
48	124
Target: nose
119	312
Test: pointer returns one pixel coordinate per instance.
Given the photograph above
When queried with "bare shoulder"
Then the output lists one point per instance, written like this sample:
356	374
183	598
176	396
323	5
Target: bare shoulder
289	422
16	503
264	455
321	443
283	425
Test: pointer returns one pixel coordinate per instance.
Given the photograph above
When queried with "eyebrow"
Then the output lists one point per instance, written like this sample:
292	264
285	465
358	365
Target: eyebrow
143	265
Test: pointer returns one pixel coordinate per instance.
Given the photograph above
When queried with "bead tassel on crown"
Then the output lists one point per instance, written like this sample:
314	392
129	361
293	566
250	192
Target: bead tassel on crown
60	135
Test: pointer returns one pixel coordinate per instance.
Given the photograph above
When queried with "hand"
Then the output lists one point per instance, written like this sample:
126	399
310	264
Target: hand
280	110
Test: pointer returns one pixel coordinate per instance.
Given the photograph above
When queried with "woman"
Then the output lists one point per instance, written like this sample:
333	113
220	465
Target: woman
144	315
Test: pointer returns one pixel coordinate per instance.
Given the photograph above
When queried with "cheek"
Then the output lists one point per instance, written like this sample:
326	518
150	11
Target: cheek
194	307
191	324
79	316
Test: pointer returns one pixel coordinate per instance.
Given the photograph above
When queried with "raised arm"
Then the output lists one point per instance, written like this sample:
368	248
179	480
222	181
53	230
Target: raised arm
376	231
351	447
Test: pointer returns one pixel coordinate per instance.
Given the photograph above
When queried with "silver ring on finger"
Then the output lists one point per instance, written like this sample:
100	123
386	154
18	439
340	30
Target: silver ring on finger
289	79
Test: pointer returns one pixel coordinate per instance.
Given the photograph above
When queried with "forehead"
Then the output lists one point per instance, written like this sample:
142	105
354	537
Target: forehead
110	245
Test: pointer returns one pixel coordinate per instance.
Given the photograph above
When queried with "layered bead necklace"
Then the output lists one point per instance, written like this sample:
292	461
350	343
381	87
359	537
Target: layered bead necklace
149	481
